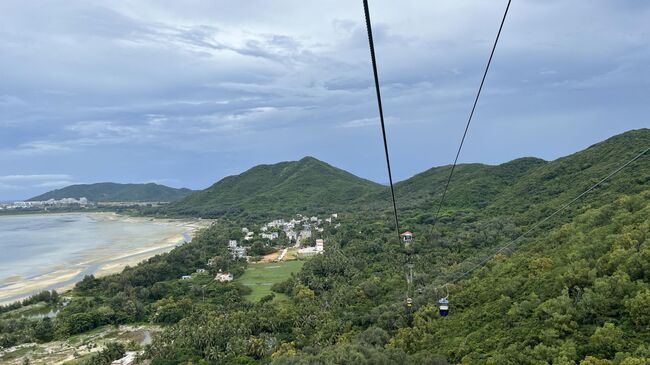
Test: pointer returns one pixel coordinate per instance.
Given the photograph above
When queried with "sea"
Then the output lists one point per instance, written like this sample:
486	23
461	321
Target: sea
32	245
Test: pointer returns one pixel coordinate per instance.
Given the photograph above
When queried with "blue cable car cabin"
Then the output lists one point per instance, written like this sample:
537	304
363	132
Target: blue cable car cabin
443	306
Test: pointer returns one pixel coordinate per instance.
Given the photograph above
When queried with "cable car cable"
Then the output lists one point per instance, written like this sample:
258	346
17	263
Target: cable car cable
471	115
371	43
563	207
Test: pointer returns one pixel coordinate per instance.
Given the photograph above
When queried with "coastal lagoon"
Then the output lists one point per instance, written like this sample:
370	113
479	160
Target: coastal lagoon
53	251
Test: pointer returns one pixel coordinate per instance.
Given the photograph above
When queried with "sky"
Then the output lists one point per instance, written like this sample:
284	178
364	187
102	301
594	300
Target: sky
184	93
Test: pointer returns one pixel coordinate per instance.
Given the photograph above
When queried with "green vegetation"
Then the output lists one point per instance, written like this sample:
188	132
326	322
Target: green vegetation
261	277
112	192
305	186
574	291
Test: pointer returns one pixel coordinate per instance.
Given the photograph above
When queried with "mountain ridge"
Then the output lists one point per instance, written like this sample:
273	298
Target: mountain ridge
109	191
310	184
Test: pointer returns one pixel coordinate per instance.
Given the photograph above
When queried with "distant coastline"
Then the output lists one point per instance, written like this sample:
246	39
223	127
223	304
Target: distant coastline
100	261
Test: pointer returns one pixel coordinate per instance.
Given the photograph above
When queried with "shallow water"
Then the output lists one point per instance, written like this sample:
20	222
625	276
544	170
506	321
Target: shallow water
33	245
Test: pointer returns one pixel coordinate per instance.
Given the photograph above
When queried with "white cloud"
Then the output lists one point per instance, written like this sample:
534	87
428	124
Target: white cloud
37	178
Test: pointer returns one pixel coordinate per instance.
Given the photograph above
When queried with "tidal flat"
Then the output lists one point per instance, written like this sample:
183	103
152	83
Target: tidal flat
54	251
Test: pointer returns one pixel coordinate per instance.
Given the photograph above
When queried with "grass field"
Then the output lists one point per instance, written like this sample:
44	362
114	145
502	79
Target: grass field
260	277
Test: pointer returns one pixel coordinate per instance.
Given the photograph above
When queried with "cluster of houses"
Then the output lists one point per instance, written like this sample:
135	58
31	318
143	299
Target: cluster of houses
44	204
295	230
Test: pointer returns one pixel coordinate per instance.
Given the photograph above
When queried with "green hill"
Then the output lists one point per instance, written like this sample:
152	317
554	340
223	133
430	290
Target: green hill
105	192
308	185
575	291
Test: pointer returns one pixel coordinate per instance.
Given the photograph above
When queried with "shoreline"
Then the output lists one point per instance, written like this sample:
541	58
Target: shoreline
62	277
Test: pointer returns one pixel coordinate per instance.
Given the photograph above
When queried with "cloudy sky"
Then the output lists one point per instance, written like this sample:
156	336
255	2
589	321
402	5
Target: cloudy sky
186	92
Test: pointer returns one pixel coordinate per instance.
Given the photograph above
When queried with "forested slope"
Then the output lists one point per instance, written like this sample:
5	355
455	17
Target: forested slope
114	192
574	291
305	186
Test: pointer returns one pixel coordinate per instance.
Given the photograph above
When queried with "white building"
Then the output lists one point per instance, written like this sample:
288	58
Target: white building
128	359
232	244
304	234
200	271
186	277
270	236
239	253
292	235
223	277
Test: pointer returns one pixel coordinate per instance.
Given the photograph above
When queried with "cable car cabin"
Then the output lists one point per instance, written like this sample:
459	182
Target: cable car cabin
409	302
443	306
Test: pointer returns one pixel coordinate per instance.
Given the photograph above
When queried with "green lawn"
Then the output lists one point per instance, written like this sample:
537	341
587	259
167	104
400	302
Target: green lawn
260	277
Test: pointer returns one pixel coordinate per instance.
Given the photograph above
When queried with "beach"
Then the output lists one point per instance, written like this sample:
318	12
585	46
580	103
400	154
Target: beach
90	243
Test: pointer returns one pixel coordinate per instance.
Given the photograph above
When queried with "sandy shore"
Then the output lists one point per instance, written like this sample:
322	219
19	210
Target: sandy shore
100	262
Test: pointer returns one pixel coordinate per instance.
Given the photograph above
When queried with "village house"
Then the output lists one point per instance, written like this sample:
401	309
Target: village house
186	277
239	253
304	234
232	244
223	277
244	230
311	251
128	359
292	235
270	236
200	271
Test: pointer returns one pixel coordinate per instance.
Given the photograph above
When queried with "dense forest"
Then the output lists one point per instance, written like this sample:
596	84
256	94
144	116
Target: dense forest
574	291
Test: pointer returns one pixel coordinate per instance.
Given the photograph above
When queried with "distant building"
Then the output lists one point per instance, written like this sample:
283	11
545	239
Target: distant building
239	253
320	245
307	251
186	277
335	215
232	244
292	235
128	359
304	234
270	236
200	271
244	230
224	277
314	219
